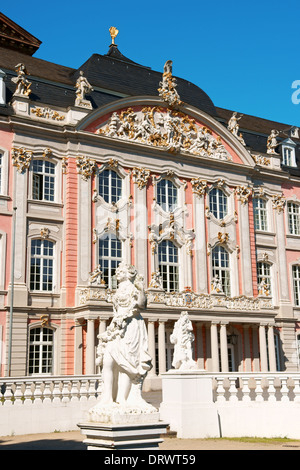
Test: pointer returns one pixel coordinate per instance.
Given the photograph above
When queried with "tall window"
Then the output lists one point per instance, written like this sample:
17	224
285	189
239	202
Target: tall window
43	184
218	203
293	218
260	214
288	156
221	267
110	255
296	283
167	195
110	186
40	351
41	265
264	275
169	265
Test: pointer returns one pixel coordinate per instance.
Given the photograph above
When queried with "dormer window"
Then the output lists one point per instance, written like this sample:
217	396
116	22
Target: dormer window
288	153
2	88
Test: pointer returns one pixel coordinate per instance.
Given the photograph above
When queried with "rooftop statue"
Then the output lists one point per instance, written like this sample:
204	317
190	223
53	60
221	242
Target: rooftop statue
83	88
167	90
272	142
23	85
122	351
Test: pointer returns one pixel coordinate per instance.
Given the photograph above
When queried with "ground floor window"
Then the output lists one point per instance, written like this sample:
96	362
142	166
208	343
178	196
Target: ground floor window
41	342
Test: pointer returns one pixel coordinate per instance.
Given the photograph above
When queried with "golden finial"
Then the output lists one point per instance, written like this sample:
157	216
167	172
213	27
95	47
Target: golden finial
114	33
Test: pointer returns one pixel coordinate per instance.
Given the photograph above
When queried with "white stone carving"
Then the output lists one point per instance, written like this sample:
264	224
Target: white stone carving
83	87
243	193
47	113
182	338
167	129
167	90
96	276
278	201
86	167
21	158
272	143
23	85
122	351
140	176
156	281
216	285
233	127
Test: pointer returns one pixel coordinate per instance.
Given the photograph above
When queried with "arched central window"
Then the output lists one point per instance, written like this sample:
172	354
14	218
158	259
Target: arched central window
43	184
110	186
167	195
221	268
110	255
41	265
218	203
40	358
169	265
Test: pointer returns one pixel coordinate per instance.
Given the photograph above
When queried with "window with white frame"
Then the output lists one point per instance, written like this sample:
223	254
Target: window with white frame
296	283
41	265
293	211
260	214
41	349
167	195
43	180
110	256
264	275
288	156
169	265
218	203
110	186
221	267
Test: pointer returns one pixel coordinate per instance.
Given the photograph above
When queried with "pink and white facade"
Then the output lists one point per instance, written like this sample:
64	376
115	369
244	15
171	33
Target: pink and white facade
212	223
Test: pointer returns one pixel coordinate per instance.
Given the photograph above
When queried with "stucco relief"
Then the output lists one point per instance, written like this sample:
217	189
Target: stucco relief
168	129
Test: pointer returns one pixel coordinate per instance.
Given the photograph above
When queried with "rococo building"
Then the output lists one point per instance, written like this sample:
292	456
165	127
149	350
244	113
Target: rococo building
113	161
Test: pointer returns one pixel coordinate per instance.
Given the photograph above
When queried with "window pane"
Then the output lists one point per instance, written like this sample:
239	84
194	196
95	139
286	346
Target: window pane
168	265
110	186
41	265
221	268
40	357
167	195
110	255
218	203
43	180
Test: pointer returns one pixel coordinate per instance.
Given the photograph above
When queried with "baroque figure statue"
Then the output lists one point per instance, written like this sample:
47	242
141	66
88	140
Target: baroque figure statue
272	142
233	127
122	352
23	85
83	87
182	338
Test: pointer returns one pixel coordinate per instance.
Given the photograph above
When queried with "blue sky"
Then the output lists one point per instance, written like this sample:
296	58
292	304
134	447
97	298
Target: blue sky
244	55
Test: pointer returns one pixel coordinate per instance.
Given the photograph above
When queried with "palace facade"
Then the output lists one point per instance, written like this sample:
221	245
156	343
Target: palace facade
114	161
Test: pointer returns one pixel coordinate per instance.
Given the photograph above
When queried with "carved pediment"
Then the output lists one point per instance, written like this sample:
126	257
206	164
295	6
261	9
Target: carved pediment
14	37
164	128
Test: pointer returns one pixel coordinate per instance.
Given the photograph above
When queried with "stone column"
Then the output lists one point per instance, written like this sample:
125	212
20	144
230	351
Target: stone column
247	348
199	346
102	325
78	350
161	347
271	348
90	347
151	347
255	340
214	346
263	348
84	230
224	347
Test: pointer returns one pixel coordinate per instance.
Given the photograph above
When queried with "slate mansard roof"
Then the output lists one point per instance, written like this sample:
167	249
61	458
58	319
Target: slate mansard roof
113	76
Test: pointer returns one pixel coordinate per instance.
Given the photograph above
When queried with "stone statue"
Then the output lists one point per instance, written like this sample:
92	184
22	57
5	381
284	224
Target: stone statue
272	142
122	351
167	90
23	85
182	338
83	87
233	127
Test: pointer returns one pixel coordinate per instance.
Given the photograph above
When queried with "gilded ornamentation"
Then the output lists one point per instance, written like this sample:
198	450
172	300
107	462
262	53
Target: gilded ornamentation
223	237
21	158
64	165
47	113
140	176
23	85
261	160
243	193
263	288
45	232
113	31
96	276
86	167
167	129
47	153
199	186
278	202
167	90
156	281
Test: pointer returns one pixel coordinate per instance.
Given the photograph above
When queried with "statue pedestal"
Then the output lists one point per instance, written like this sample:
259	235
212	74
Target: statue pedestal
123	427
107	436
187	404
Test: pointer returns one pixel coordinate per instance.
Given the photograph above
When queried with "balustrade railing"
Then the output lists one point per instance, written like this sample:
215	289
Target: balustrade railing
256	387
50	389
